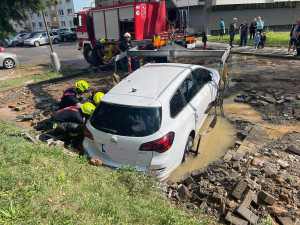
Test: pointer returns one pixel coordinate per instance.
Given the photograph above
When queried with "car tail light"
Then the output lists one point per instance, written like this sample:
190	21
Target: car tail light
160	145
88	133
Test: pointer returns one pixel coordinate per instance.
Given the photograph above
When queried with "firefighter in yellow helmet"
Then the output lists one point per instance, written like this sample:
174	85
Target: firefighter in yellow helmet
71	120
98	54
71	95
97	98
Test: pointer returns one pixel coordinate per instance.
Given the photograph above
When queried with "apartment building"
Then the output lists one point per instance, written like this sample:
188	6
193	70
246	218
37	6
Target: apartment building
205	14
59	16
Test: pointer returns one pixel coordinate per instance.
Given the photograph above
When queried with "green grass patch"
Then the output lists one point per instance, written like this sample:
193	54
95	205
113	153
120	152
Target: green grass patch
40	185
47	73
274	39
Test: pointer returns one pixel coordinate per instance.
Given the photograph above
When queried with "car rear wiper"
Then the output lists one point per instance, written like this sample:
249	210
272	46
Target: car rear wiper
109	130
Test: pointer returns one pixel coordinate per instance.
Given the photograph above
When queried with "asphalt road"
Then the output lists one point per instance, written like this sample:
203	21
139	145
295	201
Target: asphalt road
67	52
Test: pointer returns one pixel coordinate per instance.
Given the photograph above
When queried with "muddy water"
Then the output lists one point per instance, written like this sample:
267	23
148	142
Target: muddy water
212	146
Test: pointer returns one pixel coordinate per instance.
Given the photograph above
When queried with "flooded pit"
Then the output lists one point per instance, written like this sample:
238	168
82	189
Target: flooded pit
212	146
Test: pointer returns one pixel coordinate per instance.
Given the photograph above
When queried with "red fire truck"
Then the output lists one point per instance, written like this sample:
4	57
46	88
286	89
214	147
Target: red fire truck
151	24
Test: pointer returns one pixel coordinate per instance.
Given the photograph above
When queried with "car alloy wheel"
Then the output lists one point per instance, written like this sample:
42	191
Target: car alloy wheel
55	41
36	44
8	63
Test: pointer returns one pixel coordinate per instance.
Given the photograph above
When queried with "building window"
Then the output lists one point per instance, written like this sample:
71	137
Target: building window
46	13
63	23
34	24
54	18
40	24
48	24
39	14
52	7
61	12
68	1
70	12
32	15
71	23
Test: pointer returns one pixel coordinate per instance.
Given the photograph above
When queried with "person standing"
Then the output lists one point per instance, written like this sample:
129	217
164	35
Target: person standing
252	28
231	31
293	39
298	38
260	25
244	33
256	40
204	40
97	55
222	28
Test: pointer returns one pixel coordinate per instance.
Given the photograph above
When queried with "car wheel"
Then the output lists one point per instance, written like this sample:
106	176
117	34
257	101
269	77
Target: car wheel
36	44
13	44
188	146
55	41
9	63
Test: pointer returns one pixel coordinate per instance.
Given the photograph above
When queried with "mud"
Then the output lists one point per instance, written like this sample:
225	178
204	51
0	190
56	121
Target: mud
212	146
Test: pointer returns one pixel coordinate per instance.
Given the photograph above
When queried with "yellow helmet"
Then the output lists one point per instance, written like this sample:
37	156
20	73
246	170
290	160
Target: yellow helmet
88	108
97	97
102	41
83	86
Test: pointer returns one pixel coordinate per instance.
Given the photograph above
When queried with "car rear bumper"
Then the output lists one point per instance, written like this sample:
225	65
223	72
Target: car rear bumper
160	170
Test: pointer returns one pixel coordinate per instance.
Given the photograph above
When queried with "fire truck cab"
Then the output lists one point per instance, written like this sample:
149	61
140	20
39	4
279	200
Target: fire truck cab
143	20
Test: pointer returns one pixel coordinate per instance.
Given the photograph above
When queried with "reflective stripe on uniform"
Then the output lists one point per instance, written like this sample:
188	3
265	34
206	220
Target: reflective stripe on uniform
73	108
68	93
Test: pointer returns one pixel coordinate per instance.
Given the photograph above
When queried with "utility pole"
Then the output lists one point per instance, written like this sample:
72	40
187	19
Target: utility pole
53	56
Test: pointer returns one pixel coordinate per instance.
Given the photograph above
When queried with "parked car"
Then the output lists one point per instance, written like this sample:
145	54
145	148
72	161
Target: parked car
68	36
150	119
27	36
42	38
14	40
7	60
62	30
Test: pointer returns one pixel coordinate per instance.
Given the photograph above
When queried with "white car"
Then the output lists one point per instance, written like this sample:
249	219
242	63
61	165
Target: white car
149	120
14	40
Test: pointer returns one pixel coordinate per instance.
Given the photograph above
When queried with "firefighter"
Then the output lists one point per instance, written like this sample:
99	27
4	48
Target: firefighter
71	120
98	55
70	95
96	97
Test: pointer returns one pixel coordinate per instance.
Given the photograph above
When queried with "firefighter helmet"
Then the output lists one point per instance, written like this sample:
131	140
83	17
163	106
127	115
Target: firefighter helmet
83	86
88	108
97	97
127	35
102	41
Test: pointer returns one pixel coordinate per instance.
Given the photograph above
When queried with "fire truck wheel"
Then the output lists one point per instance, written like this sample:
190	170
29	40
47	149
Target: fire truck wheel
87	52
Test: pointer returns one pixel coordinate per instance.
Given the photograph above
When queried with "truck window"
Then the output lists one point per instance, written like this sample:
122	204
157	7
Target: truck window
79	20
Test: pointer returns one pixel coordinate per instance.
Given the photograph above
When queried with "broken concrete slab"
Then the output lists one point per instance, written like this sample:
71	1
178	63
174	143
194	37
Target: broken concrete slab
234	219
294	148
285	220
227	157
247	214
266	197
239	189
270	172
238	156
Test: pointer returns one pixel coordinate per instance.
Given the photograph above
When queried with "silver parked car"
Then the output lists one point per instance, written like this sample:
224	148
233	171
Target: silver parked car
42	38
8	60
14	40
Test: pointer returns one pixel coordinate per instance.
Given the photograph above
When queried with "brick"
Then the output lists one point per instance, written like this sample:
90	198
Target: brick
217	198
270	172
295	149
234	219
251	197
227	157
247	214
239	190
255	161
188	179
252	184
238	156
184	193
285	221
196	174
266	197
276	209
236	165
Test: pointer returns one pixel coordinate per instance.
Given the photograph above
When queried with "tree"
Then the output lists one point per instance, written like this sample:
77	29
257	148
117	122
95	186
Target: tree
17	10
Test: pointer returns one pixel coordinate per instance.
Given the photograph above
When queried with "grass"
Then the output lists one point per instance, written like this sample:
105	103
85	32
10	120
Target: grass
40	185
274	39
47	73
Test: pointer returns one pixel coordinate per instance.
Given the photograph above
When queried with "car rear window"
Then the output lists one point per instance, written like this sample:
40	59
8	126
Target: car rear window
126	120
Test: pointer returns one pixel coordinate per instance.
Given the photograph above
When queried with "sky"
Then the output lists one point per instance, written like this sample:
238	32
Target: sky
79	4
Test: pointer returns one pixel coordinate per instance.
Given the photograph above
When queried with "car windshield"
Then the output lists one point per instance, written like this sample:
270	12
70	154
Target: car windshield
27	35
126	120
